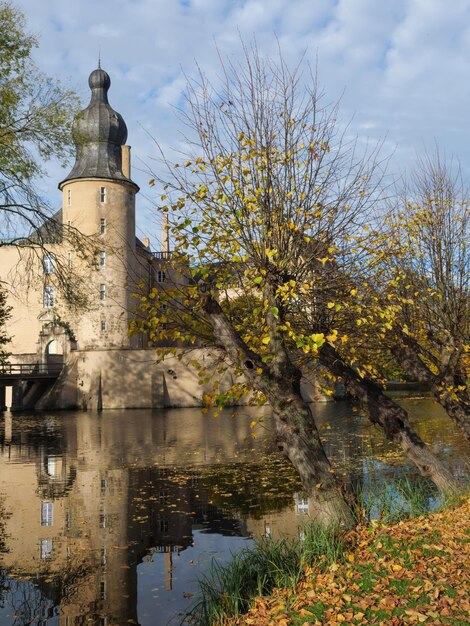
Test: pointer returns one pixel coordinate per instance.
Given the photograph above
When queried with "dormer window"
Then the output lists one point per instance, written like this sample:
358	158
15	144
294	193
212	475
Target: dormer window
102	194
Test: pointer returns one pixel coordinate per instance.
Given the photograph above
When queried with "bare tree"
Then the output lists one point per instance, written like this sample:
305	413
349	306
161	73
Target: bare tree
269	190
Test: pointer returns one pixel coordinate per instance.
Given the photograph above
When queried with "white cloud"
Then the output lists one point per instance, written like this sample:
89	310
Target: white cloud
403	65
105	31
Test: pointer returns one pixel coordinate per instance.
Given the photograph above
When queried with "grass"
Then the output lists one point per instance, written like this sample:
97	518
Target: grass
228	591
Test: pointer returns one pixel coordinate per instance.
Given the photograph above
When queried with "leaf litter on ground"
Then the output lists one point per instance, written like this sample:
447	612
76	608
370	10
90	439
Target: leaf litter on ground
413	572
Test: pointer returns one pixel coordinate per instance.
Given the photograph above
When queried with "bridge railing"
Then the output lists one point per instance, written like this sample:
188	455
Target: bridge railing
30	369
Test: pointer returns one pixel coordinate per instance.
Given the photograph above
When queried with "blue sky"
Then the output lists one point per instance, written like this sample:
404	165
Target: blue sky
401	67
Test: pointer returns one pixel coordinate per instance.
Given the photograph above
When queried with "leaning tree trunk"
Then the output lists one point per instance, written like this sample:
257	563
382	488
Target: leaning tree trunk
392	418
455	403
296	433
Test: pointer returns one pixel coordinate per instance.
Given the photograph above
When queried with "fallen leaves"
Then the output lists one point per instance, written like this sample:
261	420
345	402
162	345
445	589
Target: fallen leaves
413	572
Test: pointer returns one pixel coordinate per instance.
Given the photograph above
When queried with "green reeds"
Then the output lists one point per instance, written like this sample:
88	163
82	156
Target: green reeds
396	500
228	590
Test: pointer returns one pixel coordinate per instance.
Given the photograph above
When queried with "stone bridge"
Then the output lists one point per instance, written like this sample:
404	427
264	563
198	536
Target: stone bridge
28	380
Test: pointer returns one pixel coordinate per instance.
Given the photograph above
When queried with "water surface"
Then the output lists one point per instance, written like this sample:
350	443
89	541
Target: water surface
109	518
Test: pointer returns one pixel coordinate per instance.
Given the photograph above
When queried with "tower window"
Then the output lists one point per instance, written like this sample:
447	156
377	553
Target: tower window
102	291
102	226
49	264
103	326
160	276
69	197
102	194
102	258
48	297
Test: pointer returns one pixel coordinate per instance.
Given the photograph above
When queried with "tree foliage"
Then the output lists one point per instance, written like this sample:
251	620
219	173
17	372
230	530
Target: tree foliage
412	304
36	114
271	207
4	315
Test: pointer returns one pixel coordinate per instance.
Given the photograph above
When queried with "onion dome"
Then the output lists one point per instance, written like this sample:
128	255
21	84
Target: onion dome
98	133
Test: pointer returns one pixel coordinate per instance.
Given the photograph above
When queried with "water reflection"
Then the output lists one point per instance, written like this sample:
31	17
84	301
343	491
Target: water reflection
108	518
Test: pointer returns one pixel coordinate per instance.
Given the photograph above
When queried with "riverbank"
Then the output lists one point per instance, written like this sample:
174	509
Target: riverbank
413	572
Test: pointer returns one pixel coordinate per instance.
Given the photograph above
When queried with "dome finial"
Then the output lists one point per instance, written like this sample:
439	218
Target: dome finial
99	57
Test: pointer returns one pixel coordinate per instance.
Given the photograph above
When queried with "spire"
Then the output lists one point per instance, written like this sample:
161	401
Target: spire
98	133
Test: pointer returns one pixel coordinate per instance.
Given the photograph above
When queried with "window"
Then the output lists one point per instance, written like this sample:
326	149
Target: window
103	326
103	556
163	524
102	589
48	297
102	259
102	520
102	292
46	548
46	513
102	194
68	519
69	258
102	226
160	276
51	461
103	480
48	264
69	197
301	502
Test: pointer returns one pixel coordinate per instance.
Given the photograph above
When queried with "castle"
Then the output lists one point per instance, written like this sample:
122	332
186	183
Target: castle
96	258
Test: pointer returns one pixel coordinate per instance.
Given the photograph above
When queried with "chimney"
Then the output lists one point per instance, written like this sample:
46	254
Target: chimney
165	237
126	161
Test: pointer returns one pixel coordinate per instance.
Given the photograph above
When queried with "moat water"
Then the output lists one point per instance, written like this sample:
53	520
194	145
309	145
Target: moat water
110	518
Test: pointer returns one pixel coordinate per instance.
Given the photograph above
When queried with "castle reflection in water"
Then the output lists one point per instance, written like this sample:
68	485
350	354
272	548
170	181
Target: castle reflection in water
85	498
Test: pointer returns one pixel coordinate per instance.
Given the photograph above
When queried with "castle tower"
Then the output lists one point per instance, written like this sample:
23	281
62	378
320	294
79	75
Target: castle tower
98	200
